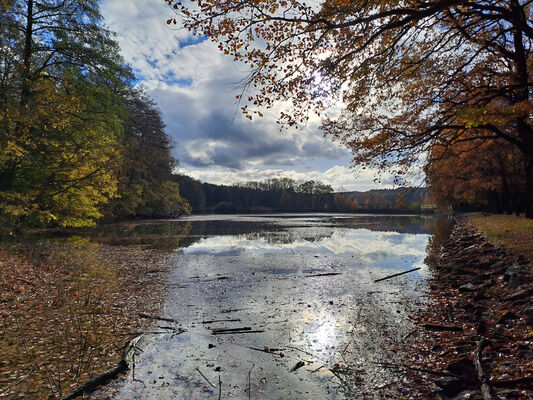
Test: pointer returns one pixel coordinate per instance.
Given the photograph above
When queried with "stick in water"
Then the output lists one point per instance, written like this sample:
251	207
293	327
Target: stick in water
398	274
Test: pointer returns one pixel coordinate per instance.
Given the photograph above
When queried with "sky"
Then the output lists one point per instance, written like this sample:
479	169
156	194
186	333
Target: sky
195	87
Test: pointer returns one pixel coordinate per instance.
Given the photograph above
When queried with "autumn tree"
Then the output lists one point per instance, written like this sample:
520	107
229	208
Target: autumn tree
145	186
61	112
411	75
400	203
478	175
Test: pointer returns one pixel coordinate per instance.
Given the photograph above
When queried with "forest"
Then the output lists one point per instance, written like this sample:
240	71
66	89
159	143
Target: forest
288	195
79	141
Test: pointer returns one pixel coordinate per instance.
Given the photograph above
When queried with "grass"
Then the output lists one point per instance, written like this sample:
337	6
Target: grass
514	233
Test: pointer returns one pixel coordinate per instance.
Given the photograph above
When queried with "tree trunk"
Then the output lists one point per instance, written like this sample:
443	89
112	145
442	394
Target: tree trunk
28	50
8	174
505	191
529	186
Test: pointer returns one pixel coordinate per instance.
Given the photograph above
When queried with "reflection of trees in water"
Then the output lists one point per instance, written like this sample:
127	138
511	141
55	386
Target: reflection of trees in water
80	257
233	228
174	234
270	237
286	237
414	224
161	235
441	230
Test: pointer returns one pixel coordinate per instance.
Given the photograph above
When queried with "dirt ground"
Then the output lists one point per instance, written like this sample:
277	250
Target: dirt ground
67	309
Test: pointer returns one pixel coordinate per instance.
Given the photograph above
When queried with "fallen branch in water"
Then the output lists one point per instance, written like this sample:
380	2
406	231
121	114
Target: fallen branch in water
142	315
35	367
108	375
224	330
436	327
323	274
486	388
228	331
203	376
220	320
175	331
229	310
266	350
297	366
398	274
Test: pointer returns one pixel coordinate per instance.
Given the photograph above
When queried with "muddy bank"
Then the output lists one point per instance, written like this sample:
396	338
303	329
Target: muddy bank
475	338
67	307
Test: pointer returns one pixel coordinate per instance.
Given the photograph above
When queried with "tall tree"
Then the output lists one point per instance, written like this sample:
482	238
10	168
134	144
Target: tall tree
61	112
482	175
145	184
411	74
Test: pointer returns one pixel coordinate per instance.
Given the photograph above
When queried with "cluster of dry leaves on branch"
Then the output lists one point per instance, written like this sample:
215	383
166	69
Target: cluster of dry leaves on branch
67	309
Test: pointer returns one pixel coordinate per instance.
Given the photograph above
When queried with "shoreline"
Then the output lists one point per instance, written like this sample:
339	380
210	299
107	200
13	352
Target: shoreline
477	329
63	322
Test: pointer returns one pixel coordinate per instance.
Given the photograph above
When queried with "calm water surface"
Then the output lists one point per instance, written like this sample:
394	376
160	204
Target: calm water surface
314	323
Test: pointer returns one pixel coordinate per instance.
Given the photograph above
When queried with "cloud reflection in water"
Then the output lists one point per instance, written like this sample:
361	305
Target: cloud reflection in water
381	249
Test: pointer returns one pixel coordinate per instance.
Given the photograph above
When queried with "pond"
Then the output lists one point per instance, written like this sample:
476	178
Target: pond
279	306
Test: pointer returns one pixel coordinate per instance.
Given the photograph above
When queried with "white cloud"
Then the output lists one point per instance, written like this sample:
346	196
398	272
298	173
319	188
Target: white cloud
195	87
338	176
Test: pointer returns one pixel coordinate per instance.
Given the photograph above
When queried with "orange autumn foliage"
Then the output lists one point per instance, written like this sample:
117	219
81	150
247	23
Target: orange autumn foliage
406	75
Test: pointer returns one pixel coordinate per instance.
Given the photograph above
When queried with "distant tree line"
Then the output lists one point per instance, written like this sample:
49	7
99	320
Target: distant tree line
78	141
287	195
288	185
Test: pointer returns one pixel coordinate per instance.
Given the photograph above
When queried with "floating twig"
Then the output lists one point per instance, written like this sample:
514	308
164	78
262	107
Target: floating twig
249	382
221	320
224	330
142	315
323	274
234	331
398	274
265	350
229	310
203	376
296	366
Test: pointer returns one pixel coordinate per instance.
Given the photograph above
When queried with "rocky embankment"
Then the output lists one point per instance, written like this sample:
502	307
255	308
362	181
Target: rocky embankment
477	335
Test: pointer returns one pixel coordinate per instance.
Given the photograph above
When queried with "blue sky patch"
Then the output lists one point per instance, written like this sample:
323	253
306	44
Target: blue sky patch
192	40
